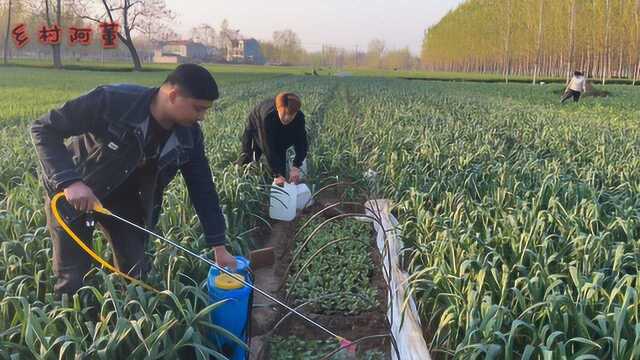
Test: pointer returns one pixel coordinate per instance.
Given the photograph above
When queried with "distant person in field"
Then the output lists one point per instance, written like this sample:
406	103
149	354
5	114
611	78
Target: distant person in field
126	144
575	87
274	125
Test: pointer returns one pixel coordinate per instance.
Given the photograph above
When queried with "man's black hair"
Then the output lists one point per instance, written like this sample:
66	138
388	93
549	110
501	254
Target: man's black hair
577	73
195	81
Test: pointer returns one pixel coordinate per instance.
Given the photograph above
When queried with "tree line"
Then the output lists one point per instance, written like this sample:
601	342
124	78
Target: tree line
285	48
145	23
549	38
146	19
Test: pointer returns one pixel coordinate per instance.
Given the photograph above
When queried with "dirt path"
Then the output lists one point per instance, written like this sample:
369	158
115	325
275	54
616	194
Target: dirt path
266	314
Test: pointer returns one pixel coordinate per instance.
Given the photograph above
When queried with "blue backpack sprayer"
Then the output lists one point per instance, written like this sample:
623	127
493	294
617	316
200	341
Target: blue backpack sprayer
235	314
236	288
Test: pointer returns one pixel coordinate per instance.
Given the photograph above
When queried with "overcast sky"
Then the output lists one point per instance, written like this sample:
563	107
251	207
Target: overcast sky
344	23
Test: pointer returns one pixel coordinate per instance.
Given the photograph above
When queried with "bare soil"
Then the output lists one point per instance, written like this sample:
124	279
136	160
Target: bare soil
266	314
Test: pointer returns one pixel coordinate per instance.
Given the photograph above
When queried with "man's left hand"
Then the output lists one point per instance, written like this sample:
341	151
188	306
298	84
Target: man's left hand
294	175
224	258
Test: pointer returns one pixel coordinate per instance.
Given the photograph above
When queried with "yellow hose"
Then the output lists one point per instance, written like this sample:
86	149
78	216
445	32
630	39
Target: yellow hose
96	257
344	343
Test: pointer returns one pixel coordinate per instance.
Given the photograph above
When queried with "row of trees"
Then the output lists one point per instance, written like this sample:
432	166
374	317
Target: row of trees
538	38
286	48
146	18
143	23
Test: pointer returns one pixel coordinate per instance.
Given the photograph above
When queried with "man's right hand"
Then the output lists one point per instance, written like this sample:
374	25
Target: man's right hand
81	197
280	180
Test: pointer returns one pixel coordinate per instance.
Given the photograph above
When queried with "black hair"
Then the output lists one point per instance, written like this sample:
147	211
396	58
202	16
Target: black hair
195	81
577	73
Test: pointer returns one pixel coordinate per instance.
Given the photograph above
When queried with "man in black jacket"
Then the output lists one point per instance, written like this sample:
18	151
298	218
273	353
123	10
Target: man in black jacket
127	142
273	126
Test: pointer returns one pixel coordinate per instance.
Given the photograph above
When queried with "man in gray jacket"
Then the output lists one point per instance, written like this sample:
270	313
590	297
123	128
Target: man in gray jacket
127	142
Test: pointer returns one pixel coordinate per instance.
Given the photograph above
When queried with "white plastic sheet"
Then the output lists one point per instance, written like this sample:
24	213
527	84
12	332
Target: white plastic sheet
405	325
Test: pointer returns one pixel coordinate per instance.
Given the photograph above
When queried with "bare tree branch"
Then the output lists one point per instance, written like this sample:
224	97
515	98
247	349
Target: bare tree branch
86	17
134	4
142	16
133	21
108	9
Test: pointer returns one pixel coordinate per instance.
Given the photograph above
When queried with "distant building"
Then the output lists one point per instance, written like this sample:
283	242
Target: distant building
215	55
181	51
244	51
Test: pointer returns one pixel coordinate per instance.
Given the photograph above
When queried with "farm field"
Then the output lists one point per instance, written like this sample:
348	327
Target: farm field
123	66
519	216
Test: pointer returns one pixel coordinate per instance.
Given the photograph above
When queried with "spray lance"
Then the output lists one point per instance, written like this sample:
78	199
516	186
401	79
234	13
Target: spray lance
344	343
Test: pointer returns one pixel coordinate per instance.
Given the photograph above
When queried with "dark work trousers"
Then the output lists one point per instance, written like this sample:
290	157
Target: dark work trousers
250	149
71	263
569	94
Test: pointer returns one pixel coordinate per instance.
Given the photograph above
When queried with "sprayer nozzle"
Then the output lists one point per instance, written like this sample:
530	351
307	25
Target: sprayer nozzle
346	344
